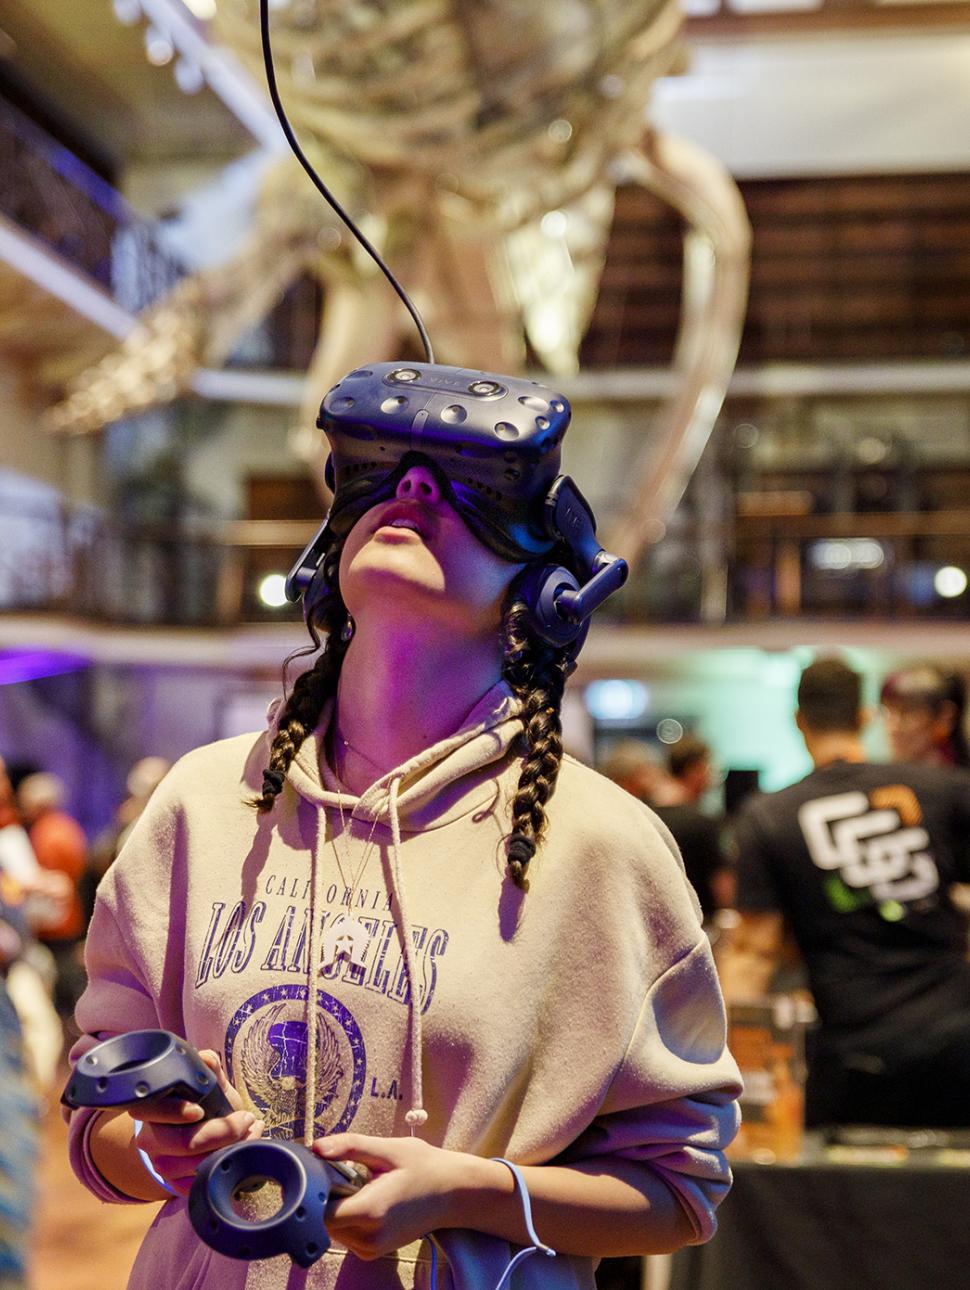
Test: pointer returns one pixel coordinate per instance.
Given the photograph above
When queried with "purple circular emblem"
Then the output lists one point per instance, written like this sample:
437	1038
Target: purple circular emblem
267	1052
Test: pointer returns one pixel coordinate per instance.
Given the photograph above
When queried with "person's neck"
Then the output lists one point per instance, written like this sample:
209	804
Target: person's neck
828	746
401	690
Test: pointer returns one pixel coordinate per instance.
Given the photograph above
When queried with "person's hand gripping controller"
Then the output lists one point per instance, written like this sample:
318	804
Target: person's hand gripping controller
176	1139
173	1134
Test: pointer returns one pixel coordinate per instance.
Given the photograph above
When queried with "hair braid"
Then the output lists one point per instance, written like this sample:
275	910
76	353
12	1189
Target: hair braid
536	673
303	705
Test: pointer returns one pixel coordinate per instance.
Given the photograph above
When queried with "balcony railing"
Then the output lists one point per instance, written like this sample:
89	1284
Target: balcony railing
57	558
51	193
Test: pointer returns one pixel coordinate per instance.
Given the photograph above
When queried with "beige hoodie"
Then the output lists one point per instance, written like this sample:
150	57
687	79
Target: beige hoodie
580	1019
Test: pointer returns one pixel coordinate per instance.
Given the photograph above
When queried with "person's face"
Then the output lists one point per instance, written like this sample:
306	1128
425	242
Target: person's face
413	558
916	732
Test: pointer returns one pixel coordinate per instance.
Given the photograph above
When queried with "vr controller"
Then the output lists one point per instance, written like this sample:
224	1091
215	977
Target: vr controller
144	1066
494	440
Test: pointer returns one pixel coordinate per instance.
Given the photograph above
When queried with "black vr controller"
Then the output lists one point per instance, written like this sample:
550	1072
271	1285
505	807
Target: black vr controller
145	1066
494	442
296	1227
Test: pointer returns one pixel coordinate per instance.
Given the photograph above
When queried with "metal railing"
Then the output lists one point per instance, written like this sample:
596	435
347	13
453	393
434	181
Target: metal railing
81	562
51	193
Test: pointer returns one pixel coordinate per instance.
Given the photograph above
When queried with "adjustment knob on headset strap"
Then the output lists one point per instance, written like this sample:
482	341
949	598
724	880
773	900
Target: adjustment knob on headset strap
540	587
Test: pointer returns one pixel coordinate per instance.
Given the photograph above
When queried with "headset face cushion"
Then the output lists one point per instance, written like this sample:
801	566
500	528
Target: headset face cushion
513	529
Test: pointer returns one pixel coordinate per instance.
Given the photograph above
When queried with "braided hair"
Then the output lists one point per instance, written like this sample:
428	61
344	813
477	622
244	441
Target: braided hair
304	703
535	672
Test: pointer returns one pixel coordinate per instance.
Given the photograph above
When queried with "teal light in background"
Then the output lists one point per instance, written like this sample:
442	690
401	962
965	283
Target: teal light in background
616	700
742	703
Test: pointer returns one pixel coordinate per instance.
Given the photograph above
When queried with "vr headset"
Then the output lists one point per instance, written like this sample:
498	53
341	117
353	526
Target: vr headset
493	443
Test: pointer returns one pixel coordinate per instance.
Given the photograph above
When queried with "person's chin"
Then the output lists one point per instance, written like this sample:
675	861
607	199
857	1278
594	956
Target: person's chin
400	575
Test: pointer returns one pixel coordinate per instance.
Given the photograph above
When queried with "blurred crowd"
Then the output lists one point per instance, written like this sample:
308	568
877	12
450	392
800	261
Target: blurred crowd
49	872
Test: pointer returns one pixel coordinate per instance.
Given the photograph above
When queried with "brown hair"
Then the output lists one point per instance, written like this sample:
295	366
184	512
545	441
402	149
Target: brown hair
830	695
535	672
685	753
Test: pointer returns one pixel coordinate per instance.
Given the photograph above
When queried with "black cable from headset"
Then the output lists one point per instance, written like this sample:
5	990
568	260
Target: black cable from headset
322	187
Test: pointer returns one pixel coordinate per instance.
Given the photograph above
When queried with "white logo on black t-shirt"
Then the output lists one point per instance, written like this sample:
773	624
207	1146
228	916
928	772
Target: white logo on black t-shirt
870	847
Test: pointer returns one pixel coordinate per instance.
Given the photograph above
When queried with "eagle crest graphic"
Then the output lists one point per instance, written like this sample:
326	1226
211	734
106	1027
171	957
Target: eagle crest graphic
274	1066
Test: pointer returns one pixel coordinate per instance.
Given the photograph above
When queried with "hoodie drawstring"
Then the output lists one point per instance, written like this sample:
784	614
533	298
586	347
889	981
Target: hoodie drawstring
417	1115
313	961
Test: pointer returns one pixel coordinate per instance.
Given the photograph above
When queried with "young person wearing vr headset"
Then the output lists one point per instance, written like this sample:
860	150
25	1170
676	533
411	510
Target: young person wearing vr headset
469	946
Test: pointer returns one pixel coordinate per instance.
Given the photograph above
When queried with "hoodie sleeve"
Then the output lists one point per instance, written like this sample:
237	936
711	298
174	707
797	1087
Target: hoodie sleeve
119	996
672	1104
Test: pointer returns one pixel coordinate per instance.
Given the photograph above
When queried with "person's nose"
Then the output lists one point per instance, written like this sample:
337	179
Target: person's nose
418	484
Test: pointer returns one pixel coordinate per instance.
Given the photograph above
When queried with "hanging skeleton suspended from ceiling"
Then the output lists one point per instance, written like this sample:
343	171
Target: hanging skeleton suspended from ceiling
478	143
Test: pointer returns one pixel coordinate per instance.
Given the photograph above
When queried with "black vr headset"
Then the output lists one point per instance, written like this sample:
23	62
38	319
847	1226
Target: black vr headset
493	443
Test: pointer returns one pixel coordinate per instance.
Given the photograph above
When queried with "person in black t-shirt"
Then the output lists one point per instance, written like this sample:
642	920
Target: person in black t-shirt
857	859
698	835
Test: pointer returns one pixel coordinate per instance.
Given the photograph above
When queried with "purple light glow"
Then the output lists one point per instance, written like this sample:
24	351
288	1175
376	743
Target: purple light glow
32	664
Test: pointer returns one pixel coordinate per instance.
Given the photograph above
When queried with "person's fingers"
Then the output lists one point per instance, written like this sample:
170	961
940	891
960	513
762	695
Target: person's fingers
167	1110
189	1139
377	1154
214	1062
176	1159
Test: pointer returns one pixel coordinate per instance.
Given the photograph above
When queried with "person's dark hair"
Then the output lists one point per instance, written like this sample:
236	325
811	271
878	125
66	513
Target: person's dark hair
930	687
312	688
535	672
830	695
685	753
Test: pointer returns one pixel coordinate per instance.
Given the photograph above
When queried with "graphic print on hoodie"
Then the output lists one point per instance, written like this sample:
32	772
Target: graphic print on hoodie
580	1020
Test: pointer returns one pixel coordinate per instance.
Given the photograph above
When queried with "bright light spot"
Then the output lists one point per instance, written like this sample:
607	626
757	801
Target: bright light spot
189	76
560	130
950	581
302	68
204	9
272	590
852	553
611	86
616	700
127	11
746	435
669	731
872	450
554	223
158	47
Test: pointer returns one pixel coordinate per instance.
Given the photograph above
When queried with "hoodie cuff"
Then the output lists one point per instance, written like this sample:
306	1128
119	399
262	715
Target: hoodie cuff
82	1162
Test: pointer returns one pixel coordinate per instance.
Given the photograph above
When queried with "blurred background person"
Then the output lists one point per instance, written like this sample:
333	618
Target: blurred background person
19	1105
856	859
690	775
17	857
38	896
143	778
636	767
60	845
924	710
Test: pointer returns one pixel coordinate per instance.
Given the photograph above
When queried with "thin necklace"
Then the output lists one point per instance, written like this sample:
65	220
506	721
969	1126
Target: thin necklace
345	743
346	936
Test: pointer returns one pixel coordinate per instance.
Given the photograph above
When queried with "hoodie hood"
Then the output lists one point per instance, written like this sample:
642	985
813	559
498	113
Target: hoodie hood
437	786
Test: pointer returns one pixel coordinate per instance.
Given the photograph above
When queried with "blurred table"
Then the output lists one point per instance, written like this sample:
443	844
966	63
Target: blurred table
824	1225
